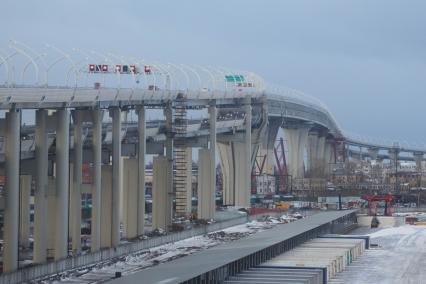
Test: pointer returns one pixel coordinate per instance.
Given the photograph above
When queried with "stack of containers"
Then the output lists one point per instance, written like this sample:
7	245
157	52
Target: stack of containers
334	254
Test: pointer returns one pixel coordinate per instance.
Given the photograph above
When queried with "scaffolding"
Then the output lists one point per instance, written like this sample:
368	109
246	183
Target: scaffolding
181	166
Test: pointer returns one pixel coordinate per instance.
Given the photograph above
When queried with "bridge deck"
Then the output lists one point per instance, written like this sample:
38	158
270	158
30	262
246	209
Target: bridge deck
186	268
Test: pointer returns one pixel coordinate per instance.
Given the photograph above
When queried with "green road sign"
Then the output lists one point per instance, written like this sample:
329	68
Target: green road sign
234	78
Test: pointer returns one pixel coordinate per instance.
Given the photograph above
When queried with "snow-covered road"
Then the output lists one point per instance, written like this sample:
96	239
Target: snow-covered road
399	258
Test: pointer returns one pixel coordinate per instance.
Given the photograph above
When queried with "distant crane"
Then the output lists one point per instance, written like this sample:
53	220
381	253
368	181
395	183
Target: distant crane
386	198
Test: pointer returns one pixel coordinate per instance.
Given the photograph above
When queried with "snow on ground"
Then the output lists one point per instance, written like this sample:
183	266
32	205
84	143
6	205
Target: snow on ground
410	214
391	231
399	258
147	258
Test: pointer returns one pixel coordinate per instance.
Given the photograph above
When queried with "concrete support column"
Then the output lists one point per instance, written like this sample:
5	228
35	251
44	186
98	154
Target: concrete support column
97	116
321	156
116	175
360	154
11	207
393	156
168	112
373	153
77	182
292	135
242	158
206	200
248	152
303	141
296	140
418	158
24	224
141	171
159	193
106	208
312	150
51	217
212	180
130	197
227	166
333	153
327	157
41	187
269	144
62	183
241	177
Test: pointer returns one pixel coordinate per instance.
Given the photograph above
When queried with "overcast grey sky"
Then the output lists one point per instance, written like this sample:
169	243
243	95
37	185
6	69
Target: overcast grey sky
365	59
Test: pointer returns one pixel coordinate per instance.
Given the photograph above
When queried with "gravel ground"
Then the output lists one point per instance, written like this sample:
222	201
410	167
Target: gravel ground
399	258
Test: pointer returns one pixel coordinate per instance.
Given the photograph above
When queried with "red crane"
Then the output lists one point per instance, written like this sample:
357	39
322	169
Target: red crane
372	198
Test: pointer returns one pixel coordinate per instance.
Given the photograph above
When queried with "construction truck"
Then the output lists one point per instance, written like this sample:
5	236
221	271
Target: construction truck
282	205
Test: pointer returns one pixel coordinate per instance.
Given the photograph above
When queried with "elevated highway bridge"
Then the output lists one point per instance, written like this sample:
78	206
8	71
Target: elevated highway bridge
69	95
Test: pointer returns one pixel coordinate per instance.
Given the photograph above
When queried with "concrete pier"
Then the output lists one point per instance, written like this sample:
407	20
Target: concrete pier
24	210
159	193
97	116
62	183
418	158
213	140
41	187
312	150
188	181
77	182
373	153
242	177
296	140
206	193
11	209
115	113
328	149
227	165
242	156
321	156
141	171
106	207
130	197
269	144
